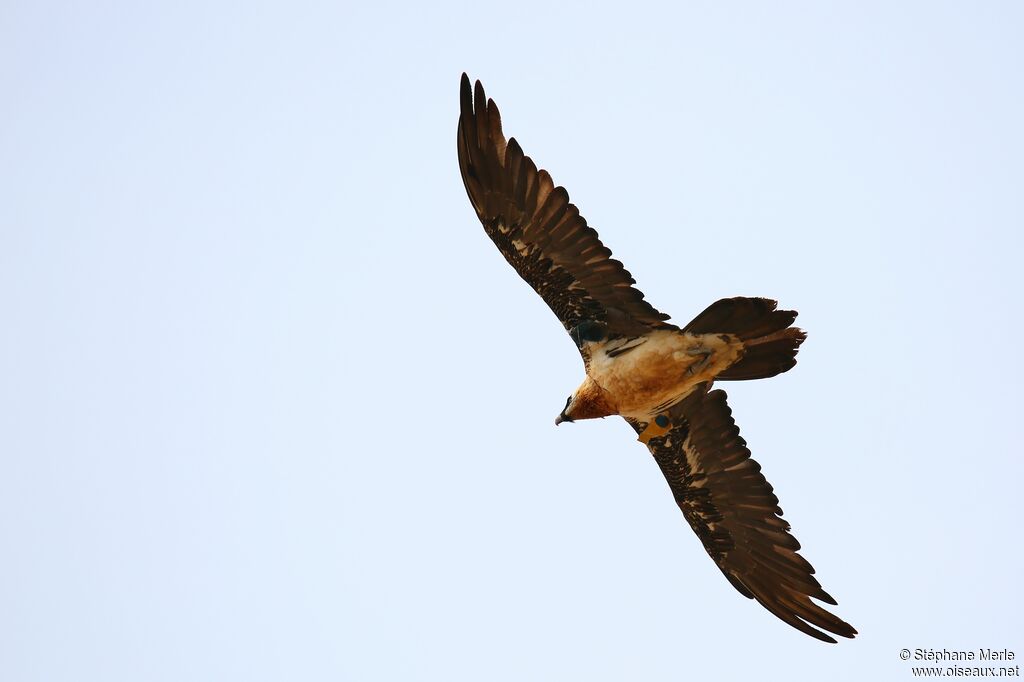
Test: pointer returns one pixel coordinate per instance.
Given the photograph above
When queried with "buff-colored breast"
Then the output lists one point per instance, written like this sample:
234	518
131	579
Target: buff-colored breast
661	370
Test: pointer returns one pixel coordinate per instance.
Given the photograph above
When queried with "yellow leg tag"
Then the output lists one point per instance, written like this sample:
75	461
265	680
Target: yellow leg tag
655	431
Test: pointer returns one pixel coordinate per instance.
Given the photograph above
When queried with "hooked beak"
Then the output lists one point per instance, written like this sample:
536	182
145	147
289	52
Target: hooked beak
562	418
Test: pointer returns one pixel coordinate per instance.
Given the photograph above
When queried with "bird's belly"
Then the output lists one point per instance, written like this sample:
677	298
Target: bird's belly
661	371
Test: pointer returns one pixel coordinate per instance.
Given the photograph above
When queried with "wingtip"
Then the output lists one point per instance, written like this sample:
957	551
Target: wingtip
846	630
479	96
824	596
465	98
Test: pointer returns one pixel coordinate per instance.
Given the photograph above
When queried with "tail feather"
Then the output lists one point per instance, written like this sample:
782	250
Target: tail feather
767	356
769	343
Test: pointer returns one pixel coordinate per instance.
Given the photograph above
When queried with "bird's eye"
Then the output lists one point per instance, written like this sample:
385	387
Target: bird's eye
661	420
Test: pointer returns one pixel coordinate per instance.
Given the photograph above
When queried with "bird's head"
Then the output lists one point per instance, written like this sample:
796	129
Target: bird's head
589	401
566	414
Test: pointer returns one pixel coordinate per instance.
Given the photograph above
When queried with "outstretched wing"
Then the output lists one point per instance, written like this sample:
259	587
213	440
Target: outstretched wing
539	232
735	514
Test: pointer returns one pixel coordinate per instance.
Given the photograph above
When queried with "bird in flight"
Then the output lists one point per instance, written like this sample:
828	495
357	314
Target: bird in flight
654	374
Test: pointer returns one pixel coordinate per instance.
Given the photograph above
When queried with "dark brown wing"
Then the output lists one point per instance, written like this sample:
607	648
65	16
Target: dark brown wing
736	515
539	232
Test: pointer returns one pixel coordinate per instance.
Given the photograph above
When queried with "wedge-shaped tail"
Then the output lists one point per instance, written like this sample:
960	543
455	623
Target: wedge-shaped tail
770	344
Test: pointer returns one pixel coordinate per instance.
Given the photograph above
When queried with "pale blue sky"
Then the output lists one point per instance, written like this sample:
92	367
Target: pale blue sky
272	407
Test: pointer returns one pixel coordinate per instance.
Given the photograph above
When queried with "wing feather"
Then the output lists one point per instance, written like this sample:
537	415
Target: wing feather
736	515
540	233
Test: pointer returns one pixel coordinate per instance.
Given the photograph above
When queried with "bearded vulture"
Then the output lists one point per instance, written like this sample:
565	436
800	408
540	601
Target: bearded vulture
653	374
